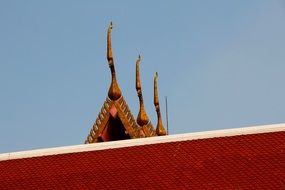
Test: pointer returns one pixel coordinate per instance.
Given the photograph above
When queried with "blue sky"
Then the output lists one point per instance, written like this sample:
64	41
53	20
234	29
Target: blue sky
220	63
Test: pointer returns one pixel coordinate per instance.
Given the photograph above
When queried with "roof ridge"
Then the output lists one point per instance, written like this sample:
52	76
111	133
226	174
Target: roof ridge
127	112
144	141
124	108
102	114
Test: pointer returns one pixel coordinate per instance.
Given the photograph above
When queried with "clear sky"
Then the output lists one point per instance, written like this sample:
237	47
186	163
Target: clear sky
221	64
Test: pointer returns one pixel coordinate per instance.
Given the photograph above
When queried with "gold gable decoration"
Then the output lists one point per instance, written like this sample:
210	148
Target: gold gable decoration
115	120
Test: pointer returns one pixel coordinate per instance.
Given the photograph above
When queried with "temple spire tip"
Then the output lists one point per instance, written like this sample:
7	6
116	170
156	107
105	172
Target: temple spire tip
156	100
109	45
138	80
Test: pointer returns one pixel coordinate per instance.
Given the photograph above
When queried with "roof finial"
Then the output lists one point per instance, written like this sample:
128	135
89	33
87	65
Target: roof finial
159	128
109	45
138	82
114	90
142	118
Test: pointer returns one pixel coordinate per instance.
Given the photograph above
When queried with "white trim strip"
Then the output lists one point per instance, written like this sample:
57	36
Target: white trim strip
143	141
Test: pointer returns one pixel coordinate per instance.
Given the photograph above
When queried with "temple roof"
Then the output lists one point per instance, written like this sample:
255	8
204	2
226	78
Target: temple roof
244	158
115	120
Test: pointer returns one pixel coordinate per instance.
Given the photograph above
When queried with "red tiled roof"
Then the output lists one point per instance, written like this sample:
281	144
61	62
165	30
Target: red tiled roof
255	161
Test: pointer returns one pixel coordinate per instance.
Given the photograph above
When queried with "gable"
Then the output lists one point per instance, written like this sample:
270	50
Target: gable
113	113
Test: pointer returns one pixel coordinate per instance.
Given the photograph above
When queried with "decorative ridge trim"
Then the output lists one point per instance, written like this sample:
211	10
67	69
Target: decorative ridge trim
127	113
148	128
104	110
144	141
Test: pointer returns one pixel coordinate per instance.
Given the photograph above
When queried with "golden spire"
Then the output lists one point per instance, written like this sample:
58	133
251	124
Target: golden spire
159	128
142	118
114	90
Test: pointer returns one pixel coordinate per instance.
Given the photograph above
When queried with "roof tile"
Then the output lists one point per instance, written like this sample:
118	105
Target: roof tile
254	161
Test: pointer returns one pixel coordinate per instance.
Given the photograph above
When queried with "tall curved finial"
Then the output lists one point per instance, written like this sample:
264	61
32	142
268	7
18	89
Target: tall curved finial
159	128
114	92
109	45
138	80
142	118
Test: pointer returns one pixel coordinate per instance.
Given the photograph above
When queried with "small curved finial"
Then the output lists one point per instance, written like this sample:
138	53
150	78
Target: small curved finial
156	100
142	118
114	92
159	128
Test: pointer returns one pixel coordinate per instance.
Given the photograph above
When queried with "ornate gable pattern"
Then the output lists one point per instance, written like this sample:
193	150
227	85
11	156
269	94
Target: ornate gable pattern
115	120
113	113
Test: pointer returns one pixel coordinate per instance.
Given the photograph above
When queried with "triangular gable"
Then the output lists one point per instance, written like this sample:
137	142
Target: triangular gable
118	110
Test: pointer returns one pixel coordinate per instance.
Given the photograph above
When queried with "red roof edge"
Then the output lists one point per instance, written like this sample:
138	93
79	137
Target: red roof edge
143	141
